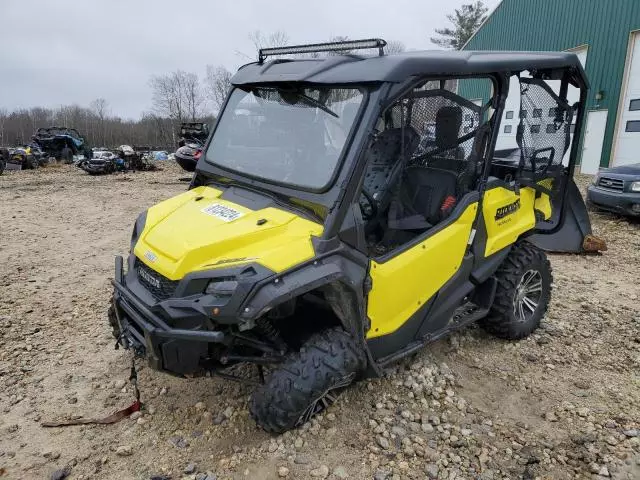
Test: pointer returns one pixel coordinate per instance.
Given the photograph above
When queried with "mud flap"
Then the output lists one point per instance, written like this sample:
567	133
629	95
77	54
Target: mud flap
574	235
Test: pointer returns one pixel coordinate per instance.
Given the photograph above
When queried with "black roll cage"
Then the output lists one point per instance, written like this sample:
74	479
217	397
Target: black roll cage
340	194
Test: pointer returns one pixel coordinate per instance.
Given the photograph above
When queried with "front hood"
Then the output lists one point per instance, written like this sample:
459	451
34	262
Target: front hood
197	230
621	171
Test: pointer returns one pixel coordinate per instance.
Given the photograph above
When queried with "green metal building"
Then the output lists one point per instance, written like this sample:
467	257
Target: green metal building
605	34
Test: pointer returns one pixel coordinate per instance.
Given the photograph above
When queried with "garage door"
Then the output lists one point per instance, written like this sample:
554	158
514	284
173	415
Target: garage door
628	140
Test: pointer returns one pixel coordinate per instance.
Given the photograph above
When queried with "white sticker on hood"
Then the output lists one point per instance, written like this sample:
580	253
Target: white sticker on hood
222	212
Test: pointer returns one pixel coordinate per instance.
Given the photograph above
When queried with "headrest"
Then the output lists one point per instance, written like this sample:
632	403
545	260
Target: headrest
448	122
388	145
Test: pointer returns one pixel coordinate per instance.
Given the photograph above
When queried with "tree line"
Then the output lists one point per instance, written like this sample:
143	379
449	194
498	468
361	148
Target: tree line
182	96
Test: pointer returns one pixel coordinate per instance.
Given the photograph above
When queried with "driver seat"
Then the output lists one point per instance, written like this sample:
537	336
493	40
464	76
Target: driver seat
383	160
427	195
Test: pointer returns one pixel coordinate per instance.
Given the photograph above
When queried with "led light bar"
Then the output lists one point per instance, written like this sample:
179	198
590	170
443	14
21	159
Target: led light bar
323	47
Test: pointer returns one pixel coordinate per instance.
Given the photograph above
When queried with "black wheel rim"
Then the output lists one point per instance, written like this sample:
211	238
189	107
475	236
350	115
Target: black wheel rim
326	399
528	295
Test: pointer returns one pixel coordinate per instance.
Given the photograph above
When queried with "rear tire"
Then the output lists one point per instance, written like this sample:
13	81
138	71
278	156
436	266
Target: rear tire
522	295
307	381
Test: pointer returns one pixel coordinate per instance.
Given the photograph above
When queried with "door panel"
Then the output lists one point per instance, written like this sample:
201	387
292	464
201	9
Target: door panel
402	284
593	140
507	216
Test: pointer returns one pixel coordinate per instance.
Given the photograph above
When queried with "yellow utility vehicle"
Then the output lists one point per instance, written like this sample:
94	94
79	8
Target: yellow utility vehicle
349	209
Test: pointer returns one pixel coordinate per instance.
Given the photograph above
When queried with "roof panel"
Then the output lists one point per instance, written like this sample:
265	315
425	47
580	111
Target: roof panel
398	67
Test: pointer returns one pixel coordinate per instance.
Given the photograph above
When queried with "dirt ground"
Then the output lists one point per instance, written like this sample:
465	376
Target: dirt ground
564	403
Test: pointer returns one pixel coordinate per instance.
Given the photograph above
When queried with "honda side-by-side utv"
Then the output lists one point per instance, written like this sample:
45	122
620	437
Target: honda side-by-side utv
348	210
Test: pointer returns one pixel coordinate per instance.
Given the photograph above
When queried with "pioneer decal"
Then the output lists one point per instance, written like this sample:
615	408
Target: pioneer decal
507	210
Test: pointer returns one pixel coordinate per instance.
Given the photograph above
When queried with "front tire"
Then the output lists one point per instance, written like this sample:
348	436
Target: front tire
307	381
522	295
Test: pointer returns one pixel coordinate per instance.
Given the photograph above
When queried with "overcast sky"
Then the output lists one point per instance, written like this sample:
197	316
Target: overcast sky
74	51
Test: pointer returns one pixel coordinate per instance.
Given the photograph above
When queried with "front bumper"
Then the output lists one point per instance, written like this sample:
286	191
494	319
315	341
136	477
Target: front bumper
149	335
625	203
174	334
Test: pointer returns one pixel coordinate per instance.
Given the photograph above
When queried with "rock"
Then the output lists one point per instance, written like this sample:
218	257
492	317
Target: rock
228	412
582	412
283	472
200	406
220	418
550	417
383	442
163	391
611	440
321	472
431	470
331	416
135	415
51	455
61	473
206	476
119	384
301	459
604	471
124	451
178	442
190	468
340	472
634	432
381	476
273	446
427	428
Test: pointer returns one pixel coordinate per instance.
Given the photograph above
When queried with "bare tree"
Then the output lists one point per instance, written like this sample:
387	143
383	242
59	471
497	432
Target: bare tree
466	21
177	95
101	109
218	84
394	46
274	39
167	100
3	119
190	86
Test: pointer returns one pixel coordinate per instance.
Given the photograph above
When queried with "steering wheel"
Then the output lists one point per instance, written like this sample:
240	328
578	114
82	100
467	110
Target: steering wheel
370	207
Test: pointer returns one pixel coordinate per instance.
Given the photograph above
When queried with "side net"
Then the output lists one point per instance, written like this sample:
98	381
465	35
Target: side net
544	131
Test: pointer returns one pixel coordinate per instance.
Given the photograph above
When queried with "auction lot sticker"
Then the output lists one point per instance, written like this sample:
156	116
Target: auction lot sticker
222	212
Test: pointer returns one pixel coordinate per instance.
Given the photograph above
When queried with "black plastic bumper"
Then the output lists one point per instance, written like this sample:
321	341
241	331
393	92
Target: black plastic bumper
624	203
167	348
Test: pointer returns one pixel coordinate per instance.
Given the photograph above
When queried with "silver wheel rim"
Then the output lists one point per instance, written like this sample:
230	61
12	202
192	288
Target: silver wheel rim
327	398
528	295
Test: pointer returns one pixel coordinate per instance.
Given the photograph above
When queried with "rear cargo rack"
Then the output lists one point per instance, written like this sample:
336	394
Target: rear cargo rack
370	43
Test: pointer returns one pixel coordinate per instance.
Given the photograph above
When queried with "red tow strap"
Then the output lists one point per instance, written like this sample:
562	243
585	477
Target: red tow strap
113	418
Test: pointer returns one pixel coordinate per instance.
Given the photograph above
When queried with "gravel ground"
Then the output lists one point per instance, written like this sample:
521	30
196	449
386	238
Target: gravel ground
564	403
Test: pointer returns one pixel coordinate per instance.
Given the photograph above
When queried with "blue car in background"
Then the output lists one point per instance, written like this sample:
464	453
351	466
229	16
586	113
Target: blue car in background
53	140
617	190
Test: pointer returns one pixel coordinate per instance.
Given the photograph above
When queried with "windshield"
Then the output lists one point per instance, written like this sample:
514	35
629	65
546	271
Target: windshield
291	136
